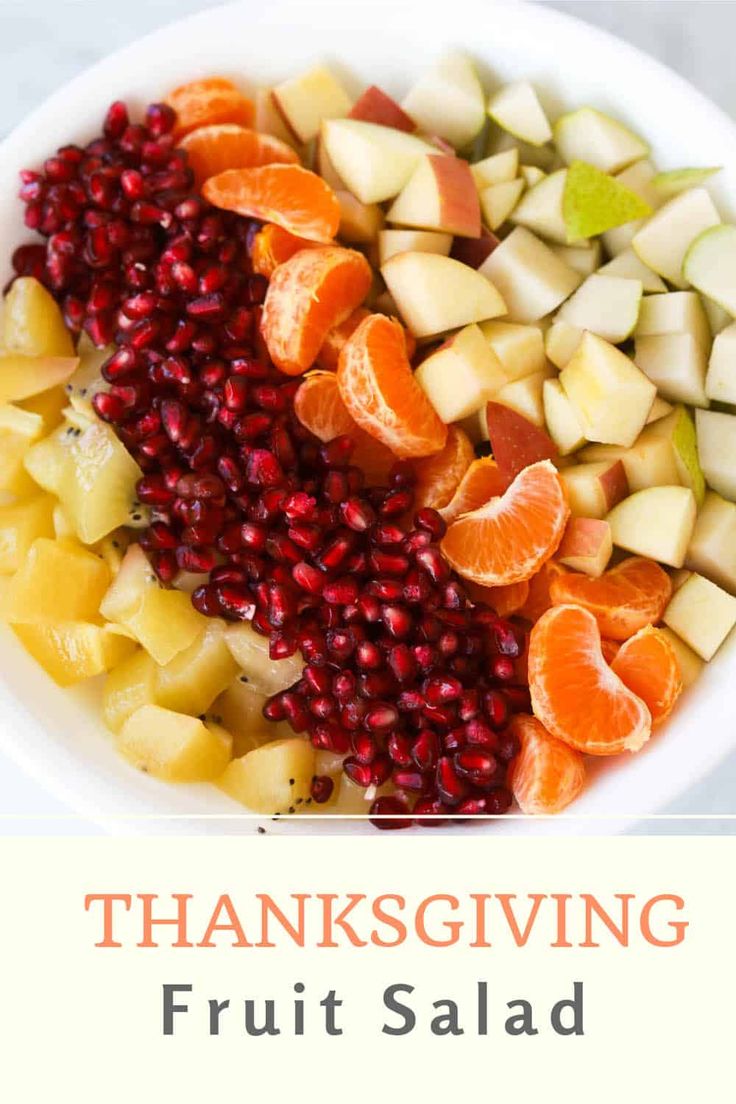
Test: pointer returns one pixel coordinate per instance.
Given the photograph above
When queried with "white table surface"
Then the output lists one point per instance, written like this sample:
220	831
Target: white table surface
45	42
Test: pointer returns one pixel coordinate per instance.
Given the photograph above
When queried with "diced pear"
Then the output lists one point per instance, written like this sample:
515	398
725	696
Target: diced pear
190	682
657	522
717	450
392	241
637	178
374	161
525	396
586	546
585	259
499	168
439	195
590	135
172	746
20	526
562	422
306	100
712	550
531	174
650	462
461	376
448	100
720	381
531	279
674	312
32	322
130	685
540	210
250	651
680	180
23	376
628	265
541	157
274	778
560	342
679	429
611	397
71	651
718	318
435	293
665	238
660	409
710	265
702	614
676	363
594	202
594	489
520	349
241	710
497	202
690	664
516	108
62	526
57	581
605	305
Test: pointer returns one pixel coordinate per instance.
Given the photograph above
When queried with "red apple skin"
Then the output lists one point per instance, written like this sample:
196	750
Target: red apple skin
515	441
583	538
458	196
474	251
376	106
614	484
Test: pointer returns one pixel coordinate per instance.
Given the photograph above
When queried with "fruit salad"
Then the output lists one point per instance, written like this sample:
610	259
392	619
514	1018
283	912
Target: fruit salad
378	458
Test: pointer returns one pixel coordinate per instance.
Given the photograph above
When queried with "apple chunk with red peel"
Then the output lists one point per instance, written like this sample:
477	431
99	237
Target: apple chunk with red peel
435	294
305	101
440	195
474	251
594	489
461	375
516	442
611	396
374	161
586	546
376	106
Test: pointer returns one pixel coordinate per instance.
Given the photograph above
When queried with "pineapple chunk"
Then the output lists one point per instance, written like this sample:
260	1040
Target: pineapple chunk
129	686
24	376
274	778
163	621
241	710
18	428
88	380
192	680
20	526
58	581
251	653
174	747
73	650
112	549
48	405
32	323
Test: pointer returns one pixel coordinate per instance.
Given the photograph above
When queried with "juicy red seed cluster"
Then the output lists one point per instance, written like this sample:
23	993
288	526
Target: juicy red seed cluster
404	675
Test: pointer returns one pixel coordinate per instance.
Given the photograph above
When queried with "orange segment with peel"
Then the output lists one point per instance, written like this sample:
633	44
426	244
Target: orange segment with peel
574	692
648	665
209	101
439	476
546	775
623	599
290	196
218	147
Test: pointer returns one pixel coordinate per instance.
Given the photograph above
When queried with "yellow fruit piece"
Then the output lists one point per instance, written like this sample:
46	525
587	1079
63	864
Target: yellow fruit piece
48	405
241	709
192	680
58	581
73	650
20	526
274	778
251	654
23	376
112	549
32	322
129	686
18	428
174	747
163	621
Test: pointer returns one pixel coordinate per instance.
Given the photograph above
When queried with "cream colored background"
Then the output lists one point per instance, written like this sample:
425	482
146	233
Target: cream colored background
82	1024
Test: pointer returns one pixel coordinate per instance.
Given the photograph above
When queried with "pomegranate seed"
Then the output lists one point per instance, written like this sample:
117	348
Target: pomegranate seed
389	813
432	522
321	788
475	764
397	620
450	786
368	656
357	514
425	750
398	747
444	689
341	592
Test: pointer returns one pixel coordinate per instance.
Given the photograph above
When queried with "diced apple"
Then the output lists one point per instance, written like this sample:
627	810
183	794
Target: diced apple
674	312
20	525
250	651
241	708
585	259
519	348
657	522
374	161
376	106
516	108
637	178
660	409
628	265
71	651
474	251
499	168
712	550
541	157
665	238
605	305
440	195
525	396
307	100
172	746
611	396
679	429
274	778
498	201
720	381
268	118
57	581
448	100
676	363
560	342
690	664
590	135
718	318
562	422
190	682
710	265
360	223
530	278
717	450
412	241
22	376
531	174
541	208
650	462
702	614
516	441
461	376
32	323
594	489
586	546
435	293
323	166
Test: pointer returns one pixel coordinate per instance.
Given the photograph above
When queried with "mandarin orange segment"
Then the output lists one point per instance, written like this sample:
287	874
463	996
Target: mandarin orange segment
272	246
332	346
319	406
293	197
546	775
610	649
439	476
209	101
378	388
508	539
310	293
214	149
574	692
505	600
648	665
623	599
481	482
539	600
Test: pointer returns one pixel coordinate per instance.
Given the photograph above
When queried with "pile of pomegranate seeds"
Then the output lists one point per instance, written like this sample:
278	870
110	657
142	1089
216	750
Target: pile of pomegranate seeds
404	675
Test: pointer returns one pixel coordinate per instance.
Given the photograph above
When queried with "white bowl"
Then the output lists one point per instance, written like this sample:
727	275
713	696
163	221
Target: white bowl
57	734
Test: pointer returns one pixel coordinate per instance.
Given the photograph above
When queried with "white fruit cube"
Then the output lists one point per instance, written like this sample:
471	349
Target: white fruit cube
274	778
690	664
412	241
679	430
374	161
589	135
305	101
657	522
560	342
498	201
712	550
586	546
440	195
525	396
612	398
562	422
650	462
519	348
717	450
541	208
461	376
674	312
499	168
516	108
665	238
720	381
585	259
627	264
435	293
360	223
594	489
676	363
448	100
269	119
605	305
701	614
710	266
530	278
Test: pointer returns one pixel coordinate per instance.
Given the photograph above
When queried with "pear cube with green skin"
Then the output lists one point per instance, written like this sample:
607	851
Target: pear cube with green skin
676	363
374	161
392	241
241	709
71	651
32	323
690	664
650	462
664	239
594	489
520	349
540	210
435	294
440	195
674	312
720	381
585	258
448	100
590	135
251	653
163	621
516	108
307	100
657	522
57	581
675	181
274	778
628	265
586	546
712	550
530	278
525	396
678	429
190	682
461	376
594	202
498	201
605	305
562	422
717	450
174	747
611	396
129	686
23	376
20	525
710	265
702	614
637	178
499	168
